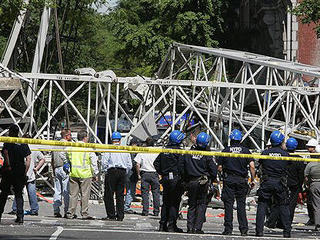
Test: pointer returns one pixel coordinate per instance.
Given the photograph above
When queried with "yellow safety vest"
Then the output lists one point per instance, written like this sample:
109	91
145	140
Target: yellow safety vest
80	164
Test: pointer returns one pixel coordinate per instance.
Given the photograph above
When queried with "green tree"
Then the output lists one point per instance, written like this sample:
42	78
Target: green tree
308	12
9	9
148	27
85	39
80	26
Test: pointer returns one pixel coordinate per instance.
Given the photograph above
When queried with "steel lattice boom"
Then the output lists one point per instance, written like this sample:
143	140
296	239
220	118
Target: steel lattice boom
220	88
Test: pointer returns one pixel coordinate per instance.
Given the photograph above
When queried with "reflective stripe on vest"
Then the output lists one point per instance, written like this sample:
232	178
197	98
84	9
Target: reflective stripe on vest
80	164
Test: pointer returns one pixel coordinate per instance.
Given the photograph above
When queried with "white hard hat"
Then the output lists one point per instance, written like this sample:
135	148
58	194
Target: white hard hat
318	148
312	143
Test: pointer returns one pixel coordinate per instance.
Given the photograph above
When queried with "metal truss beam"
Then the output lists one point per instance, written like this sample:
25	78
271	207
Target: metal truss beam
265	94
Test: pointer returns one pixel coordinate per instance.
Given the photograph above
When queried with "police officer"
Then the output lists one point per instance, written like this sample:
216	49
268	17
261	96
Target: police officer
273	185
115	166
168	165
199	171
235	183
295	171
295	177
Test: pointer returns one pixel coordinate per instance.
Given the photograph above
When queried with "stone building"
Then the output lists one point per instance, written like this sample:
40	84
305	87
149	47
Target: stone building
275	32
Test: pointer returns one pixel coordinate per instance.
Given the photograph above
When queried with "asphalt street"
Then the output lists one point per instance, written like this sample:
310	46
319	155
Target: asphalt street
134	226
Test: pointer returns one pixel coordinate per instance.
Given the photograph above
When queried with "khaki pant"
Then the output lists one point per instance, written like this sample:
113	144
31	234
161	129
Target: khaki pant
315	191
82	186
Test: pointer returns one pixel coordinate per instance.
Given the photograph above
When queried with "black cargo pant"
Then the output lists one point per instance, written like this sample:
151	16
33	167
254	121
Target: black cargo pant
235	187
293	198
150	179
273	188
114	183
17	181
172	192
274	218
197	202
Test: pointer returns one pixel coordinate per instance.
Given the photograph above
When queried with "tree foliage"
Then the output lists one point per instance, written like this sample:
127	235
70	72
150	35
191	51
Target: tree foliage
309	12
147	27
80	24
135	35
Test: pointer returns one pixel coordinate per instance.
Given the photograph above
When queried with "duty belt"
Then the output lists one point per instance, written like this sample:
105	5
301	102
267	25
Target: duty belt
116	168
233	174
174	174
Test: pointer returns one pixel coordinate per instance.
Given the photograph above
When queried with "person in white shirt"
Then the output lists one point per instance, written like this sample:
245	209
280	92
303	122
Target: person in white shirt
149	177
115	166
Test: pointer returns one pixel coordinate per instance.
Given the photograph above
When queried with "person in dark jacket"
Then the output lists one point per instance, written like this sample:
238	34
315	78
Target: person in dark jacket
273	185
131	182
235	183
168	166
198	171
17	159
295	173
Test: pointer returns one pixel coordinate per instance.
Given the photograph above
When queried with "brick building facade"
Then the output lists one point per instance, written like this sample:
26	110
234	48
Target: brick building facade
308	45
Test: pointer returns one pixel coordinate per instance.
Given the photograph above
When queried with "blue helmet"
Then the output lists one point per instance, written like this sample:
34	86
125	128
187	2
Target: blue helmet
116	136
203	140
292	144
236	135
176	137
276	138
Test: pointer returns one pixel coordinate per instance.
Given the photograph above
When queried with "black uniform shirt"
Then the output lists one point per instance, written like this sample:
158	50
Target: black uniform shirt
233	165
168	162
295	171
274	168
198	165
17	153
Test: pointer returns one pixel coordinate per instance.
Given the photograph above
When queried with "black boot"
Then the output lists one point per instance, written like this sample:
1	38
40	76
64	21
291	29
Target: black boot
227	232
244	233
163	228
19	220
198	231
190	230
175	229
286	235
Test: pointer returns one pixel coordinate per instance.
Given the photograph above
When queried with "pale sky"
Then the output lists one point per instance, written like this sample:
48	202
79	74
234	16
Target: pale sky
104	9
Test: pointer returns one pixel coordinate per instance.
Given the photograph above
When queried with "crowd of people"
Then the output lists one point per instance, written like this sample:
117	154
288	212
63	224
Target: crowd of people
281	181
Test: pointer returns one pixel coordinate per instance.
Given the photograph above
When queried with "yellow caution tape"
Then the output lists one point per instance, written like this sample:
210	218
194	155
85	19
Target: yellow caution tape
305	153
147	149
82	150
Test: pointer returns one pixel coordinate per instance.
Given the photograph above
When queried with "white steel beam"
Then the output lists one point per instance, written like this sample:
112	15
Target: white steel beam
14	36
